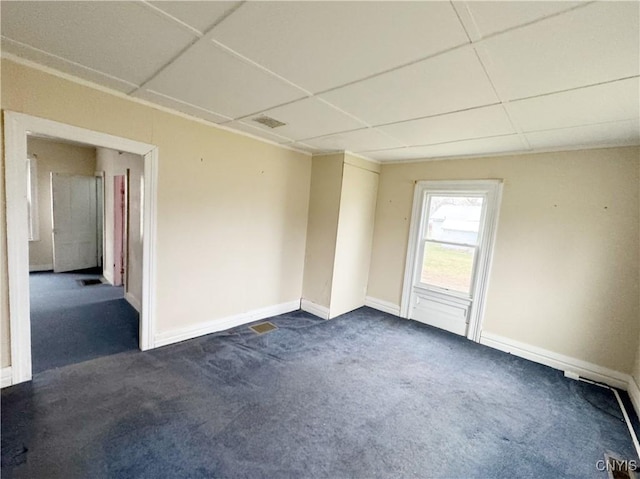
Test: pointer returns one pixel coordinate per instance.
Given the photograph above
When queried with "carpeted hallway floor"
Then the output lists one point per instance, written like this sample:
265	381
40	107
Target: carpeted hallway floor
365	395
72	323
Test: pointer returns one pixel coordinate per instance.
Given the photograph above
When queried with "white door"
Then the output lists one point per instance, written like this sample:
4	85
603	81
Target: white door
73	200
452	232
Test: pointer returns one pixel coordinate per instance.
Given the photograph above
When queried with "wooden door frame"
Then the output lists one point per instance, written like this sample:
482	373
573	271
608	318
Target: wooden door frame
16	128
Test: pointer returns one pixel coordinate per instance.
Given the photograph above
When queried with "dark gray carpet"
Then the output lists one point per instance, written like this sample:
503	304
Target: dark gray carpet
72	323
366	395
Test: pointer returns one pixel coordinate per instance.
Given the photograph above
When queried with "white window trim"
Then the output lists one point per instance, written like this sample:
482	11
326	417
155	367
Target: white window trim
492	191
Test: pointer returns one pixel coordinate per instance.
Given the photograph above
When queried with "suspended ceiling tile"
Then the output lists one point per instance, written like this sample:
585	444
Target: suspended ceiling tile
392	154
193	110
218	81
449	82
65	66
476	123
588	45
321	45
617	133
123	39
479	146
200	15
308	118
619	100
273	136
359	140
486	18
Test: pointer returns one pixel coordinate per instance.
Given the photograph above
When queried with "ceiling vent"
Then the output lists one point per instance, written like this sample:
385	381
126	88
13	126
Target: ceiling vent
268	121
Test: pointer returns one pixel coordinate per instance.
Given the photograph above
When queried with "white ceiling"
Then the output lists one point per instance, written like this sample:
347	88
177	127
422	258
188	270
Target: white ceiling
387	80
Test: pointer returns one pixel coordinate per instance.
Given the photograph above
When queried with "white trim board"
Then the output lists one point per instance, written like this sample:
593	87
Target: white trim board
16	128
40	267
634	394
6	377
315	309
222	324
382	305
557	361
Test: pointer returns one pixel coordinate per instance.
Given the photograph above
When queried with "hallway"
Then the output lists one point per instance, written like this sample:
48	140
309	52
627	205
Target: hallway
71	323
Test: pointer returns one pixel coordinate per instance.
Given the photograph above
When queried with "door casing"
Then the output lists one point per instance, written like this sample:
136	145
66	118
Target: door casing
16	128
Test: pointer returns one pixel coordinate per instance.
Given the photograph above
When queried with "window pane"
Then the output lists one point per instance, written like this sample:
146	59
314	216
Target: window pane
454	218
448	266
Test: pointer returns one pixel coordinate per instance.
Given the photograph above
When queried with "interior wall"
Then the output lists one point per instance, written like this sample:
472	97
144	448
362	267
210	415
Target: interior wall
114	163
322	229
565	269
232	211
53	157
354	236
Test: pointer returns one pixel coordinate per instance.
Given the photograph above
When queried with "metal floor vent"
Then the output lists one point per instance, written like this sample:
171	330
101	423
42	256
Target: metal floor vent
89	282
262	328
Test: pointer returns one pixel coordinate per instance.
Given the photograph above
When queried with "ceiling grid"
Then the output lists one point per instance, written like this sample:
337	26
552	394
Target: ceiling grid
386	80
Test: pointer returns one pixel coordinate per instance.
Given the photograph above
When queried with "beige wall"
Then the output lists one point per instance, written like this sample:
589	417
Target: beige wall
324	208
56	157
354	237
113	163
565	269
232	211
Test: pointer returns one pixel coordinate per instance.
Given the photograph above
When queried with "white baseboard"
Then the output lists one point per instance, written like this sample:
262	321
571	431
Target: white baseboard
177	335
40	267
382	305
315	309
133	301
634	394
6	377
557	361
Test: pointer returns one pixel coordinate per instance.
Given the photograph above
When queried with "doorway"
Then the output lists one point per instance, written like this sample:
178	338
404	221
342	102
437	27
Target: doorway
451	238
76	314
17	126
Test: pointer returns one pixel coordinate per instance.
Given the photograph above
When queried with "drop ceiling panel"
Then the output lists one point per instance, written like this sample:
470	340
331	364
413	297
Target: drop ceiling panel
365	139
613	101
57	63
180	106
236	125
218	81
308	118
321	45
200	15
392	154
476	123
123	39
617	133
480	146
493	17
449	82
588	45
